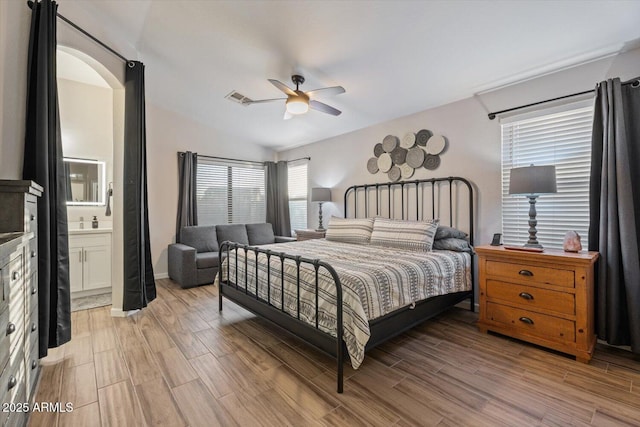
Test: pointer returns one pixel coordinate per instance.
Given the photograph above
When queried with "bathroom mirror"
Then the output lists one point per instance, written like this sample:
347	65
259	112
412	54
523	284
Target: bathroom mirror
86	179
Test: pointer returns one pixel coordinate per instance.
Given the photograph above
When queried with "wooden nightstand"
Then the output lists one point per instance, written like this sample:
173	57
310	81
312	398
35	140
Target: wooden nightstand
544	298
309	234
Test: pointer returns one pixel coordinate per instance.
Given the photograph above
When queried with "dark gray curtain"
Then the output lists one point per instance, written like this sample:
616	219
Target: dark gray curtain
278	198
187	205
43	164
615	211
139	285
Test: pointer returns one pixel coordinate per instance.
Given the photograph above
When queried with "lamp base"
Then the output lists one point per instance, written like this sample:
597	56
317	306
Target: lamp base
533	239
533	245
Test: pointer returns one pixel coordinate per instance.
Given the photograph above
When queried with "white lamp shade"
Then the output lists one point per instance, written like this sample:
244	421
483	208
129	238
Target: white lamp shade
533	180
320	194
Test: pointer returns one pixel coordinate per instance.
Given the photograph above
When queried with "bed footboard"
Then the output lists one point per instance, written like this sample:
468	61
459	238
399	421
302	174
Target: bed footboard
251	300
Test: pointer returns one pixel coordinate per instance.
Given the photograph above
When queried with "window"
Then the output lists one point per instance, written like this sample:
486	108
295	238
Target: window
230	192
297	182
553	137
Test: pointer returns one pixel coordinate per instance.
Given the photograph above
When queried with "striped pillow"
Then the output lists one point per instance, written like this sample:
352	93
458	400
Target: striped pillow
349	230
411	235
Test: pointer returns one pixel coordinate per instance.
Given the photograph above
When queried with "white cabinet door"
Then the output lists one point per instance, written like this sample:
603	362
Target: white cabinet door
97	267
75	268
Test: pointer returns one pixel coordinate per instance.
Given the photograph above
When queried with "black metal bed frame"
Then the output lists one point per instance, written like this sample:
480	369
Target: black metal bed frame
383	328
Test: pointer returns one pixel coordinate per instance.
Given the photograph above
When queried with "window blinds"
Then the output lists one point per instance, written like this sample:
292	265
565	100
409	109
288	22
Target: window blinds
562	139
298	185
229	192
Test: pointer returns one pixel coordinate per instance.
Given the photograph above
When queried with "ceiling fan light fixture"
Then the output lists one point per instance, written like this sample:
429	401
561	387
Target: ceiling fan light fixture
297	104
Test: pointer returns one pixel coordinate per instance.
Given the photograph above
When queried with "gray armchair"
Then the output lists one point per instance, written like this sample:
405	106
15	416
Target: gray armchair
194	261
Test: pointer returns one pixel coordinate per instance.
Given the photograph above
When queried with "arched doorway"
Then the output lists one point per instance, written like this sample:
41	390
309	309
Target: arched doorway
91	101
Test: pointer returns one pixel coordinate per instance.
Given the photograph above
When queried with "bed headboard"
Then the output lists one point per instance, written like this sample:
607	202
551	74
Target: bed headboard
450	197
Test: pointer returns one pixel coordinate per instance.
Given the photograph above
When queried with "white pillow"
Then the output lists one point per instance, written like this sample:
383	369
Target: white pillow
349	230
411	235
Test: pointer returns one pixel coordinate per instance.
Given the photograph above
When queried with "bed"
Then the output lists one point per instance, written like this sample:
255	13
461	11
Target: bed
346	298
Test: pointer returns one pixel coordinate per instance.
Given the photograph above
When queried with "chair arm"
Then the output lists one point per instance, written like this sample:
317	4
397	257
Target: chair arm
182	264
283	239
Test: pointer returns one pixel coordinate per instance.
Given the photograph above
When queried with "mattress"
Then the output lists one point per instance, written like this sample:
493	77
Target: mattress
375	281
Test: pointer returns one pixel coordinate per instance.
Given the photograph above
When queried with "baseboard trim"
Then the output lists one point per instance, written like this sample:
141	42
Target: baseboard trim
116	312
161	276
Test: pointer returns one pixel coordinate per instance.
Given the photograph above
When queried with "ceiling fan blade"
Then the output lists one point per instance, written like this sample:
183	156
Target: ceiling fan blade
319	106
333	90
283	87
258	101
287	115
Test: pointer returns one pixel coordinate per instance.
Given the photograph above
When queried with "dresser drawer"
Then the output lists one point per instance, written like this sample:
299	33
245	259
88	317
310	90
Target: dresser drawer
30	213
32	363
531	273
540	325
11	378
32	293
531	297
31	332
4	339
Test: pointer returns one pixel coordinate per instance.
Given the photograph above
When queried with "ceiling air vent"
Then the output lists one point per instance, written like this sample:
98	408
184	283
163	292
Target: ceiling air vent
238	97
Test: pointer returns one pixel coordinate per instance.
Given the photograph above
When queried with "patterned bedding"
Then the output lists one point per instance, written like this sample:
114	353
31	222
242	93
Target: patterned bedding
375	281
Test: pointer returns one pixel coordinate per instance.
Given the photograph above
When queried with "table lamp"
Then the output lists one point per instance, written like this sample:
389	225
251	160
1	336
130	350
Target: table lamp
320	195
533	181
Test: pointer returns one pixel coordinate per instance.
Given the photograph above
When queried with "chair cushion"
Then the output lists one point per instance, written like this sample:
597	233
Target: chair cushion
260	234
233	233
201	237
349	230
410	235
207	260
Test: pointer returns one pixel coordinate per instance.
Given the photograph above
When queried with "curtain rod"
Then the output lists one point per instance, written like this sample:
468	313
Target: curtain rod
240	160
634	82
77	27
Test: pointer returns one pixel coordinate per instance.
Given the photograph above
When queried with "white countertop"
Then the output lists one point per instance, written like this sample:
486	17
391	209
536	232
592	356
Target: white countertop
89	230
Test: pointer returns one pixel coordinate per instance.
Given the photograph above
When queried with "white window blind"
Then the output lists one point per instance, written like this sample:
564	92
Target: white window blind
230	192
562	139
298	185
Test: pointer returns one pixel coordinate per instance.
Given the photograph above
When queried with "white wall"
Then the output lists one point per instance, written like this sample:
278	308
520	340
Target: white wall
86	121
474	140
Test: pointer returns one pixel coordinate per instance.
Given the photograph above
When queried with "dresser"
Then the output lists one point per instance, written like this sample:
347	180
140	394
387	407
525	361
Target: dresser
19	365
310	234
544	298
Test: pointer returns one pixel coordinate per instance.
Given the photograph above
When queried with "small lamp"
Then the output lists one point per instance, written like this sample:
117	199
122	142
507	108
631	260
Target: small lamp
320	195
533	181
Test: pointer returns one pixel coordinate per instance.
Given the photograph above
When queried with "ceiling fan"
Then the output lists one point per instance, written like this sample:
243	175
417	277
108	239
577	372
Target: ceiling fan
299	102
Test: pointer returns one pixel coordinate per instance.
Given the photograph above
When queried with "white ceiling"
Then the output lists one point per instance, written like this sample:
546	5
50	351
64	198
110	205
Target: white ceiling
394	58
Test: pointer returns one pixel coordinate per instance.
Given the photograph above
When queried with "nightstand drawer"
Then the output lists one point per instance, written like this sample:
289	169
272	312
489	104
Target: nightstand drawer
531	297
540	325
531	273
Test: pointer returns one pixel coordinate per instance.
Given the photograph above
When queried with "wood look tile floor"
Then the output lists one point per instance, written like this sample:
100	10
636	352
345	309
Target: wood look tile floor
181	363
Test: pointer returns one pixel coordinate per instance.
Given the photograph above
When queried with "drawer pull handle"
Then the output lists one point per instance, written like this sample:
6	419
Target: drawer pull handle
526	320
11	328
34	327
526	296
33	254
32	217
12	382
525	273
34	290
34	364
14	276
